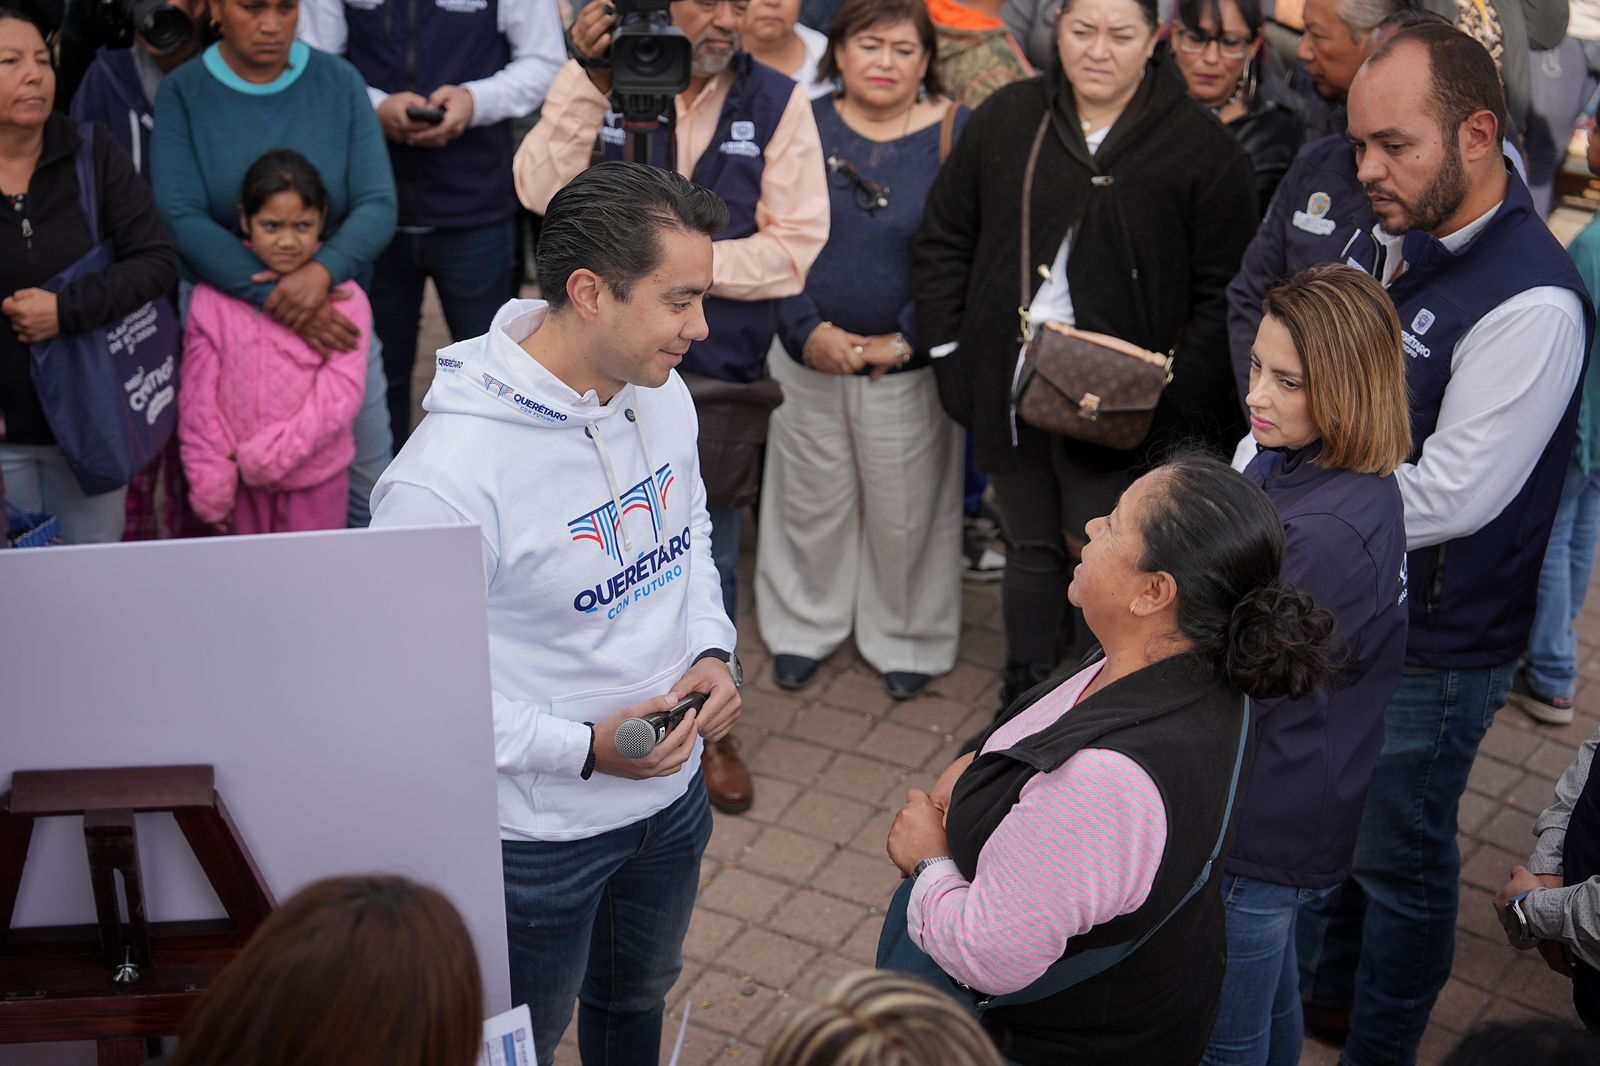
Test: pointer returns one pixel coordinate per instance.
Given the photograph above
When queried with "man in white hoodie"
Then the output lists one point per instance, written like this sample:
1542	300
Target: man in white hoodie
565	436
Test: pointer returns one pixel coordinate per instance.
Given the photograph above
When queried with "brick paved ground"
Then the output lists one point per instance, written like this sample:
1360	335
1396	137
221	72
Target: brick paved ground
792	892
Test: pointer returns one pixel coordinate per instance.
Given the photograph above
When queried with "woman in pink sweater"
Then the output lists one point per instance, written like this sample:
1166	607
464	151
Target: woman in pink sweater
265	426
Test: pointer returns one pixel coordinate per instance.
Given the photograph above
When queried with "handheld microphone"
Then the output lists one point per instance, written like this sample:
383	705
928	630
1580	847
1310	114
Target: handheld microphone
638	737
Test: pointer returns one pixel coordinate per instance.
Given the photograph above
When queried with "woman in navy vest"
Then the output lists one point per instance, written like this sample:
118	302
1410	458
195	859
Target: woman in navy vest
862	506
1079	830
1328	412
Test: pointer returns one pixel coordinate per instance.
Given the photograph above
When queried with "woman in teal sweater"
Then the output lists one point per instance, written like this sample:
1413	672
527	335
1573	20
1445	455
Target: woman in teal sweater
255	90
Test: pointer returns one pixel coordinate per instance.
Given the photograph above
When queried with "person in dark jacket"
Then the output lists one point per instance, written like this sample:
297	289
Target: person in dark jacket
1314	209
1084	819
1328	414
1218	45
42	234
1151	248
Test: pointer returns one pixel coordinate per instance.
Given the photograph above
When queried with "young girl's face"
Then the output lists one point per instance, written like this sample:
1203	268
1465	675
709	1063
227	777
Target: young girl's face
285	232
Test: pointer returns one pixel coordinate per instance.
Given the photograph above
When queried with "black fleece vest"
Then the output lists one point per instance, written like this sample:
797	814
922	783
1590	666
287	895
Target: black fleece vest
1181	725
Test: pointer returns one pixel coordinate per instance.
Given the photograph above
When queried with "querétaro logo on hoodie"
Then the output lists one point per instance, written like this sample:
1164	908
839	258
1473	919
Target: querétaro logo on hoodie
528	406
654	567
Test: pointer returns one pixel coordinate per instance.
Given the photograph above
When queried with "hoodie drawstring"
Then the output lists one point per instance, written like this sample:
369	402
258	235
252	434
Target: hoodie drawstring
637	419
592	431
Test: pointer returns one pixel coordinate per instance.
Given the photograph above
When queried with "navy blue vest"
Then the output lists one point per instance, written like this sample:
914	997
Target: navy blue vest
731	167
1472	599
417	46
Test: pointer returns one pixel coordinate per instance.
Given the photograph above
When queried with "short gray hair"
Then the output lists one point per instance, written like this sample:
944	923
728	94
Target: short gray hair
1362	16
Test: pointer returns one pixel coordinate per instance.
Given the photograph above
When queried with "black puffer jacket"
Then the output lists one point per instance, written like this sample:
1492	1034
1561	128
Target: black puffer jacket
1160	216
50	234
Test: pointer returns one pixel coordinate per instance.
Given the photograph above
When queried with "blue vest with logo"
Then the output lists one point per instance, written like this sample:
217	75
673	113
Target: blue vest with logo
1472	599
417	46
731	167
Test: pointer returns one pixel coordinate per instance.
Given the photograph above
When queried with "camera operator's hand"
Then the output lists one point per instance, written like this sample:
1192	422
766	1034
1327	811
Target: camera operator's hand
591	39
457	105
392	117
667	758
721	711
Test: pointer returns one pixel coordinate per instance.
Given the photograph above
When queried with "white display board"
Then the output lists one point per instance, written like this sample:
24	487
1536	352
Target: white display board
338	682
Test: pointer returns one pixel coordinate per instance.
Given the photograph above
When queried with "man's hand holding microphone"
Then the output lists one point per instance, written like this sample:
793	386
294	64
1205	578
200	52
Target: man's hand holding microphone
714	718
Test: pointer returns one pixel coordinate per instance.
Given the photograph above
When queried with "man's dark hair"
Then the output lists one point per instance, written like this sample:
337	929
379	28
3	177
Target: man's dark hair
608	219
1464	80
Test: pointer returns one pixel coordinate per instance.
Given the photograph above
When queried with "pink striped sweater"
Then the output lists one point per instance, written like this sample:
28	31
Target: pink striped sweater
1081	847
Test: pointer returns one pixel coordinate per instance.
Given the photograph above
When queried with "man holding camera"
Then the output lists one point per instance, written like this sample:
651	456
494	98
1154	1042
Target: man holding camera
446	79
745	132
566	438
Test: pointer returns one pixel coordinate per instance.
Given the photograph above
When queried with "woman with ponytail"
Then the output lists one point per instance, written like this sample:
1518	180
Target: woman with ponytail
1089	813
1328	413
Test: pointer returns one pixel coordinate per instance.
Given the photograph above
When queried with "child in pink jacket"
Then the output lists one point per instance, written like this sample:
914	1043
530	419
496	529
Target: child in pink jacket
265	422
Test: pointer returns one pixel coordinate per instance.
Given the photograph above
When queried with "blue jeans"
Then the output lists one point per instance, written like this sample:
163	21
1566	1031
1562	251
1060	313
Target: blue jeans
374	448
1382	943
725	524
1259	1020
602	921
1568	561
37	478
474	271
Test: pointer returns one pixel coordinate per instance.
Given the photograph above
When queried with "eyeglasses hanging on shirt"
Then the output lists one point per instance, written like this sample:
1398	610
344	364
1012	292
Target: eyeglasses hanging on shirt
869	195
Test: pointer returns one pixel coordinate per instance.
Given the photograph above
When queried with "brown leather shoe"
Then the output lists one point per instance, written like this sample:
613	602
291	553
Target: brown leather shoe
727	778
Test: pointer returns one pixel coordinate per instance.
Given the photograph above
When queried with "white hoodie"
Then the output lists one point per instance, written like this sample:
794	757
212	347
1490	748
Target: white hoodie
597	552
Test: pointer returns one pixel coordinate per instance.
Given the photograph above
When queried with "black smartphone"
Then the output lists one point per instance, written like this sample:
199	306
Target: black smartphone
430	116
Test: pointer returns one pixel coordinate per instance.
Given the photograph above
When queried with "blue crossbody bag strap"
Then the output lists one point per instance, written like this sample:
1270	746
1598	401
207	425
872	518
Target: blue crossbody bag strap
88	202
1075	969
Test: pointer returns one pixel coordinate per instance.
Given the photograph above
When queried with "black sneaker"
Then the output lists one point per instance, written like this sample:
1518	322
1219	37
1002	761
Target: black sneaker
904	685
1551	710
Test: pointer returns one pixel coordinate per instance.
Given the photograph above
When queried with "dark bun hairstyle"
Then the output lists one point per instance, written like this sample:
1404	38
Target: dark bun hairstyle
1221	539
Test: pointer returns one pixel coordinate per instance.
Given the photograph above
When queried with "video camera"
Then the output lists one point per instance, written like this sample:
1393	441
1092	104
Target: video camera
650	61
165	27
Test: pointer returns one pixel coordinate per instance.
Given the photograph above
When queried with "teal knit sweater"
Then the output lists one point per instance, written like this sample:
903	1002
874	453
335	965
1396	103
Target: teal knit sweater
210	126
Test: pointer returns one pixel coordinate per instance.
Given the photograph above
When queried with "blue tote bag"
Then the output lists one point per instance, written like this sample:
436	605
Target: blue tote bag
109	393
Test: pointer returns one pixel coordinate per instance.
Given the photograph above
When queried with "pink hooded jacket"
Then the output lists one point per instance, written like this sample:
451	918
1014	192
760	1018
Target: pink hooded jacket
259	405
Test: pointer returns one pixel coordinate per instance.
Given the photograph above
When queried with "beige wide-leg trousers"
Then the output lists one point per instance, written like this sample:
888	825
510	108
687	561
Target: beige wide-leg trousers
860	525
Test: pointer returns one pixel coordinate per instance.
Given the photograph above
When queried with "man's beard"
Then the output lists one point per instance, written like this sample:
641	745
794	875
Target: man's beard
1444	196
709	66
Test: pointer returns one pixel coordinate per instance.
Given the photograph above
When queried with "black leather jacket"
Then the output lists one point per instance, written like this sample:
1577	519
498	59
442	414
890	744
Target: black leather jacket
1271	132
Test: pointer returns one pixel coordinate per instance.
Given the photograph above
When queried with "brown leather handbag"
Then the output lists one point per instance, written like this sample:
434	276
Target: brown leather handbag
1088	386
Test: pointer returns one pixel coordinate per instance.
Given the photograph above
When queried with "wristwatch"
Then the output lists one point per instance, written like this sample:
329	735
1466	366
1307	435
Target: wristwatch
1516	920
916	871
735	667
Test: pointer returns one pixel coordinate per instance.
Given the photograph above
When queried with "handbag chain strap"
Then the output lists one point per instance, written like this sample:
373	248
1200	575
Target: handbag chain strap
1023	313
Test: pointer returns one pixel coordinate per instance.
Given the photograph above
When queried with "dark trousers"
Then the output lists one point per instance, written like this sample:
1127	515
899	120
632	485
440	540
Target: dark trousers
474	271
1042	505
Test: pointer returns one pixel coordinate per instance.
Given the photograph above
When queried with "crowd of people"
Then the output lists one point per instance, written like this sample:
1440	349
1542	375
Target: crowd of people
881	269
